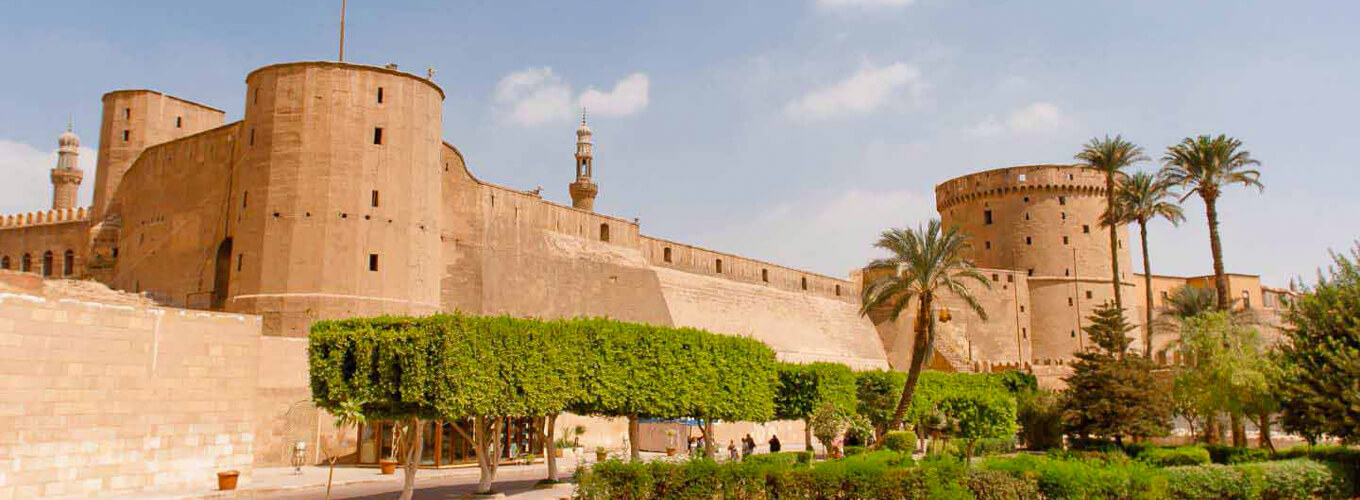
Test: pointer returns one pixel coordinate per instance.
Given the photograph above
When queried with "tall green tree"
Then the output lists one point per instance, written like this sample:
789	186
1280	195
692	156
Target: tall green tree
1110	157
1322	357
1206	165
1110	394
803	388
877	393
1142	198
923	262
1231	368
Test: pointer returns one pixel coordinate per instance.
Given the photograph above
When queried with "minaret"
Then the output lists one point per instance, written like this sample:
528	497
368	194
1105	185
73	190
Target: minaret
583	191
67	175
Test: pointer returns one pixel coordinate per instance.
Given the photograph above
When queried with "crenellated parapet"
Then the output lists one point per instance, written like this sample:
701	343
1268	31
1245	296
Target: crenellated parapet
1015	180
56	216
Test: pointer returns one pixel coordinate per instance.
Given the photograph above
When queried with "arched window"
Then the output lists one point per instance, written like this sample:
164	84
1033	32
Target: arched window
47	264
27	263
68	263
718	265
4	262
604	232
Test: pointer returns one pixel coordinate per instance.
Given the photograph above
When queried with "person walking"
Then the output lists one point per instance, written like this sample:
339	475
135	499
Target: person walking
774	443
748	445
732	452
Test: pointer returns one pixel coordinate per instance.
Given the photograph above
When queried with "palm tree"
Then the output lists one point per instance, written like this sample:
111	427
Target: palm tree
1205	165
1110	156
1141	198
924	262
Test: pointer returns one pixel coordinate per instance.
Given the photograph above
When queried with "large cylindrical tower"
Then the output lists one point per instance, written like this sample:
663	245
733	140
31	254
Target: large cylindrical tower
335	198
1043	221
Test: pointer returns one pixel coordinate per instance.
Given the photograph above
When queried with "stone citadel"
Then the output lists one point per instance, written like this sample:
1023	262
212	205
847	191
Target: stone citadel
335	196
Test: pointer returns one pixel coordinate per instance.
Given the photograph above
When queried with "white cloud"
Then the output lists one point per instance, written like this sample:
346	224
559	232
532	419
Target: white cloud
26	170
837	4
538	95
534	96
629	96
829	235
866	91
1037	117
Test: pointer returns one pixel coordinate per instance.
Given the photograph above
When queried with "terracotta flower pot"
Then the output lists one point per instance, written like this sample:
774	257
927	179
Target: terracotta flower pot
601	456
670	452
226	480
388	466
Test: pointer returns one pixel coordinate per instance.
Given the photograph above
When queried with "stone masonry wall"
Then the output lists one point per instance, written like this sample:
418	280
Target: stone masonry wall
109	397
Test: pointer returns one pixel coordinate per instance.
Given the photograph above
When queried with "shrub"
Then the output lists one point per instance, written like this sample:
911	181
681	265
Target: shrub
853	450
1347	459
900	441
781	459
1081	479
1040	418
1171	457
1207	482
1221	454
1292	479
998	485
994	446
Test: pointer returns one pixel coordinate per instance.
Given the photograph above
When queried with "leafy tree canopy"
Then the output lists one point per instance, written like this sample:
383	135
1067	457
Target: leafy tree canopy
1321	361
805	387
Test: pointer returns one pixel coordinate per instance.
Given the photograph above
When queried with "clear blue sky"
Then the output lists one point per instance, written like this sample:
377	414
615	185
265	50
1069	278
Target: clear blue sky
785	130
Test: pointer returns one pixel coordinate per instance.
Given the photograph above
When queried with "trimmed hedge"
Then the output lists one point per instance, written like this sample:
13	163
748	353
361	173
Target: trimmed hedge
1228	455
783	458
1081	479
904	441
1291	479
1171	457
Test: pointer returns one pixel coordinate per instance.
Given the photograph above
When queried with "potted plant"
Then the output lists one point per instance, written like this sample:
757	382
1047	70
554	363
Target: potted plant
389	464
601	454
226	480
670	442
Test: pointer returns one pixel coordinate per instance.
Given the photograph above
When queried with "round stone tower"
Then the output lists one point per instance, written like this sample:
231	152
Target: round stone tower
335	196
67	175
1043	221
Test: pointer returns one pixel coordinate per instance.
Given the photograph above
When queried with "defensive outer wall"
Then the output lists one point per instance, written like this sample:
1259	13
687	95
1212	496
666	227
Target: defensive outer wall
335	197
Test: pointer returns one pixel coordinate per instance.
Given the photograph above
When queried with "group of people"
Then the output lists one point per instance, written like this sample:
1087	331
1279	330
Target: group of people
695	444
748	447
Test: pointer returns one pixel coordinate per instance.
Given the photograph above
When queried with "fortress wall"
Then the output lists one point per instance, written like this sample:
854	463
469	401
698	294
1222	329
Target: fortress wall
966	340
800	327
36	238
134	120
461	235
173	206
313	244
112	397
1033	208
693	259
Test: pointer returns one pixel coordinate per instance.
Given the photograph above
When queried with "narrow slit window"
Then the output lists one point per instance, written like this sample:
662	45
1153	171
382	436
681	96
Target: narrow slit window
987	245
252	137
666	254
838	290
377	135
805	282
1065	240
373	262
1024	333
1088	294
1029	240
1070	302
1026	215
127	113
380	95
1062	200
245	199
987	216
996	277
375	198
240	258
717	265
1029	272
604	232
1085	229
126	135
765	275
179	122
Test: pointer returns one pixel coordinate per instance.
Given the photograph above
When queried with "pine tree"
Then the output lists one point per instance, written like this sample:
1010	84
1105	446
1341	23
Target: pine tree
1321	360
1112	395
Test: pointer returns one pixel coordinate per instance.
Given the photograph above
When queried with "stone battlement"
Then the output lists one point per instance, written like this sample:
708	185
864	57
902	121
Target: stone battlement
1002	181
42	217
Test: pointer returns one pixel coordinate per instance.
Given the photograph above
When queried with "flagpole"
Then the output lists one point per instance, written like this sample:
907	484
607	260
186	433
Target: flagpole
342	30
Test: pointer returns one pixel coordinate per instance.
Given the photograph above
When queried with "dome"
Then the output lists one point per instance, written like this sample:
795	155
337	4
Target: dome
68	139
584	130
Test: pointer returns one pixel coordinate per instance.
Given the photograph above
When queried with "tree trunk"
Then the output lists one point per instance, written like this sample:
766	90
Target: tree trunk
1220	277
1263	423
709	448
1239	429
484	447
415	439
925	328
634	451
1147	288
1114	242
550	447
329	478
1211	431
807	433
